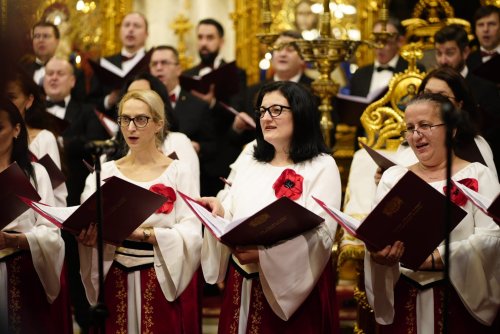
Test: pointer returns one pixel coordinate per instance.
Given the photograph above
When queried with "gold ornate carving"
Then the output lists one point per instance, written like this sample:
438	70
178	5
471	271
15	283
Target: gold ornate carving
428	17
383	119
248	50
360	297
181	25
490	2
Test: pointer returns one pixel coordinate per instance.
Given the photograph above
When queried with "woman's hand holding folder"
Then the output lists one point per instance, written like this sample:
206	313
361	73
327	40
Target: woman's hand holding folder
213	205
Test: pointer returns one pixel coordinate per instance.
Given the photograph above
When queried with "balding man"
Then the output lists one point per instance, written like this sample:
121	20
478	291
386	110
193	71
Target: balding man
83	123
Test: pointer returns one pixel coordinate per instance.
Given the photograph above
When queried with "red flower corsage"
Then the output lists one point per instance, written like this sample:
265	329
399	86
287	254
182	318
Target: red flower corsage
167	192
289	184
459	197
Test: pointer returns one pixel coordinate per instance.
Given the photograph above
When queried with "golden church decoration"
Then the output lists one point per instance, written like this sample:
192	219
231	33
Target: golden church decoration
181	26
428	17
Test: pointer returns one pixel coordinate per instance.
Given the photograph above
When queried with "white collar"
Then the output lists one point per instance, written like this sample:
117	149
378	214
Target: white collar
176	91
393	62
295	78
464	71
141	51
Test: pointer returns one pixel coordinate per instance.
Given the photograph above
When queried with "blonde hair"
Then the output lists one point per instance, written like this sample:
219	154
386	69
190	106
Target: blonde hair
156	108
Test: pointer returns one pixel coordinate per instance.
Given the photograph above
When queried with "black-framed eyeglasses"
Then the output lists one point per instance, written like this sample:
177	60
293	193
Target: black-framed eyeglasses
274	111
423	129
139	121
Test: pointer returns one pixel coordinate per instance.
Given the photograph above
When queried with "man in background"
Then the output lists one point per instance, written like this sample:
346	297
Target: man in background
192	115
374	77
452	50
230	135
487	29
133	35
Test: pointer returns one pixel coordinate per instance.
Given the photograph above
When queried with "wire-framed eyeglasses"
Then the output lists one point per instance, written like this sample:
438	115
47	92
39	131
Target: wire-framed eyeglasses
139	121
274	111
423	129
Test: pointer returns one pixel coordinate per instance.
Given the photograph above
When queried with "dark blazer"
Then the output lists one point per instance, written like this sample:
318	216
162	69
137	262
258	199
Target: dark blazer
229	143
194	120
474	60
83	127
361	79
487	96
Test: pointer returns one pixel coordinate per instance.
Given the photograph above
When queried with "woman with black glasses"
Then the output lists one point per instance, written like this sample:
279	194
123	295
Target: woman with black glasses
288	287
146	276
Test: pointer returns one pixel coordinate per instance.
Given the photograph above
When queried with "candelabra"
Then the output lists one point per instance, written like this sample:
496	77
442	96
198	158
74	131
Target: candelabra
266	37
325	53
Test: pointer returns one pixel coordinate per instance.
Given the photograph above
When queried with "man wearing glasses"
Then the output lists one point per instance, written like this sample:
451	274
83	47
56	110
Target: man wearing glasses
191	113
374	77
45	38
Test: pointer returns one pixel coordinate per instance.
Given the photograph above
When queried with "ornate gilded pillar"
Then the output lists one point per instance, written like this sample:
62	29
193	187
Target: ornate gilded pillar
181	26
247	25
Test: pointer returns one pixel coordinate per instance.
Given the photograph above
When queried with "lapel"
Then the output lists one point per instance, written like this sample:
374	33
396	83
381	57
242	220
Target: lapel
71	111
181	101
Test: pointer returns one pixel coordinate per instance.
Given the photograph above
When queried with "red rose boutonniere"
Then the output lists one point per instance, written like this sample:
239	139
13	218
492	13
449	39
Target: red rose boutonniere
457	196
167	192
289	184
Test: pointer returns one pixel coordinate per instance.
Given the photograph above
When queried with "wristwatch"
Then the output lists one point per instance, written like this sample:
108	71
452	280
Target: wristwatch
146	232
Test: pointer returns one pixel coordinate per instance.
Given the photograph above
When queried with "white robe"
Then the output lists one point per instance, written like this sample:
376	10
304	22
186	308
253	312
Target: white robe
44	239
474	262
180	144
45	143
177	254
289	270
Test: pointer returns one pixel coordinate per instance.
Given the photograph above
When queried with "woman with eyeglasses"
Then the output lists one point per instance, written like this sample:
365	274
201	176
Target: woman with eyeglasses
147	275
288	287
31	247
406	301
448	82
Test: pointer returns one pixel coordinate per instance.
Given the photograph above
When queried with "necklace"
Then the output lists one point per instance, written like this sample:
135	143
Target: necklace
431	175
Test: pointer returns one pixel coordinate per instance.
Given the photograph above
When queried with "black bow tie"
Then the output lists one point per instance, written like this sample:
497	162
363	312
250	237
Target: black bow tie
385	68
38	66
50	104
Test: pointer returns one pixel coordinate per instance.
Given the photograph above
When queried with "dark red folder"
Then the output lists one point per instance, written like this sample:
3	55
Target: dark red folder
56	175
125	207
14	182
225	79
412	212
173	156
381	161
283	219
